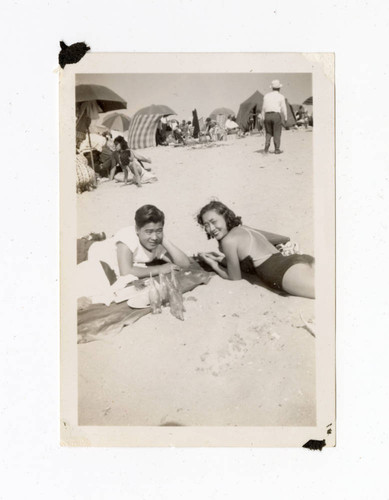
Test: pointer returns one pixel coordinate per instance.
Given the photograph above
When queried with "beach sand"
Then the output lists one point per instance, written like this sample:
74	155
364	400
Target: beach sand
242	356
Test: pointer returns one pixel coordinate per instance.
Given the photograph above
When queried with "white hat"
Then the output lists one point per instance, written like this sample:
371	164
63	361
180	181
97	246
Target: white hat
275	84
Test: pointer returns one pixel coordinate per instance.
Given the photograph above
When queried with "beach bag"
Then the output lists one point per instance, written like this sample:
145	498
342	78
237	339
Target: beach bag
86	178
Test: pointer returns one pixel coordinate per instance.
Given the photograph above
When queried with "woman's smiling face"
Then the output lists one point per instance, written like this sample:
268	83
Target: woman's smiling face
150	235
214	225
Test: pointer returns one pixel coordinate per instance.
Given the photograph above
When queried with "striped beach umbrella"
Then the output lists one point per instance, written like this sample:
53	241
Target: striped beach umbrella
221	111
117	121
156	109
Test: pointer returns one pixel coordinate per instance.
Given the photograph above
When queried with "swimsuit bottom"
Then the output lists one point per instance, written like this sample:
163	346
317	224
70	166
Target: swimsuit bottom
272	271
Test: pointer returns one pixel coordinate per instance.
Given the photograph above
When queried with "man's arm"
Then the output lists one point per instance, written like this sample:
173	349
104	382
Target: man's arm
284	111
263	108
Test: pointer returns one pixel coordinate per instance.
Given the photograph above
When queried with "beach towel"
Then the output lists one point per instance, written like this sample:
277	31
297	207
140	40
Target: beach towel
97	321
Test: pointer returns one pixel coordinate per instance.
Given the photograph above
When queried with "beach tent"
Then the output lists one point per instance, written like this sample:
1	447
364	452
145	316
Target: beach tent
143	129
291	120
144	124
251	105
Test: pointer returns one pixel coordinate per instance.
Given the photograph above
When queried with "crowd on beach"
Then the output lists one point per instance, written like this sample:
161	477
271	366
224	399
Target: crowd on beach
101	157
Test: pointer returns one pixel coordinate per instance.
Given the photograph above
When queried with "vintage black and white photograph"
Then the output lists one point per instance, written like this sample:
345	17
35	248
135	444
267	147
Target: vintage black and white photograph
198	230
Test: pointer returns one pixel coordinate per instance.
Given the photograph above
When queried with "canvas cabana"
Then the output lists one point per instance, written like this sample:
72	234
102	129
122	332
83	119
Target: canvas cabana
142	131
251	106
144	124
291	120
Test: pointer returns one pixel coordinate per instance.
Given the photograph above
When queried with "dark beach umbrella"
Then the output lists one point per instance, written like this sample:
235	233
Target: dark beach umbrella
104	97
221	111
196	125
117	121
308	101
91	100
156	109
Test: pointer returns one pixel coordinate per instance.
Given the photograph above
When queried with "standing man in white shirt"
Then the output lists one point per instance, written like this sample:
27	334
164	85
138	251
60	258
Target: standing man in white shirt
273	111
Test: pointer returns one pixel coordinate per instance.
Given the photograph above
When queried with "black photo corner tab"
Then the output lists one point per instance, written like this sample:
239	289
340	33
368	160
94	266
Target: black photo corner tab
71	54
314	444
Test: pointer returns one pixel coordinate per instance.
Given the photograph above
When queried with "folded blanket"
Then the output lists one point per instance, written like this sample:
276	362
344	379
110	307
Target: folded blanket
97	320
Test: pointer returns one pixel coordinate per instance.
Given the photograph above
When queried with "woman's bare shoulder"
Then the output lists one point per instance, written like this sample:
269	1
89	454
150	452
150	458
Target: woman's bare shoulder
232	237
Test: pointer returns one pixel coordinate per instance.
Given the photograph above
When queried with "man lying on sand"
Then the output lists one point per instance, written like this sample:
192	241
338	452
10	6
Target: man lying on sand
247	249
134	252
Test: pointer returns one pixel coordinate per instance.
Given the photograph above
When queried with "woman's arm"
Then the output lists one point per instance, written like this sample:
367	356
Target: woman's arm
230	251
214	265
273	238
175	254
126	264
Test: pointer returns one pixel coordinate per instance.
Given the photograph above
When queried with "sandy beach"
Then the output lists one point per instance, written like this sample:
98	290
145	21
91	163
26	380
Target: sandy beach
242	356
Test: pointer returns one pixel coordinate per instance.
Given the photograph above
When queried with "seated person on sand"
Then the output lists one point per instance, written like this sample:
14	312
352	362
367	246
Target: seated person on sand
210	128
160	133
249	250
301	117
131	162
107	160
139	250
230	125
178	135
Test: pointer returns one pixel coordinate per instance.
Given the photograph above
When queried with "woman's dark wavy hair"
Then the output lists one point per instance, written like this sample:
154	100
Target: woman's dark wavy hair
121	140
231	219
148	213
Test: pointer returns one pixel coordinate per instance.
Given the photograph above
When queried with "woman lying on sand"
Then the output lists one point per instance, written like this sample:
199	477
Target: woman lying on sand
130	162
247	249
135	247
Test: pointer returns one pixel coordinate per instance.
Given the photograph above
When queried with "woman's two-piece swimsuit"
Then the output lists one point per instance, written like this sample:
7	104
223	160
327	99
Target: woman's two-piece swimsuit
271	270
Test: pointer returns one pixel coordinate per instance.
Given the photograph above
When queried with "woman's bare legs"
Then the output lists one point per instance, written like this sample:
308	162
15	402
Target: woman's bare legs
137	171
125	172
300	280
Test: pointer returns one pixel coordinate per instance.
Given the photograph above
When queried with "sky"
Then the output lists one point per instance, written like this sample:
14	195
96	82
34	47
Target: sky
205	92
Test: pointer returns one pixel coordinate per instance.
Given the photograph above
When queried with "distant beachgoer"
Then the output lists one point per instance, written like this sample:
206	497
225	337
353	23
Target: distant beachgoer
251	122
107	160
130	161
231	125
160	134
301	117
210	126
250	250
125	158
178	136
184	128
273	111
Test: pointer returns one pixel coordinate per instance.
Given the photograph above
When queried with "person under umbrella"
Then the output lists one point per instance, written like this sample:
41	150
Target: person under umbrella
108	161
92	100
